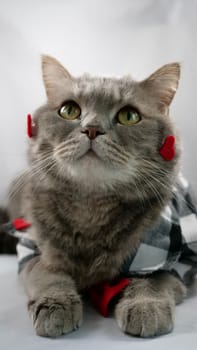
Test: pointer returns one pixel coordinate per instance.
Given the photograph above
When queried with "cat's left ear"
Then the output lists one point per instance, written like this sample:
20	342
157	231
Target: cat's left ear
162	85
55	78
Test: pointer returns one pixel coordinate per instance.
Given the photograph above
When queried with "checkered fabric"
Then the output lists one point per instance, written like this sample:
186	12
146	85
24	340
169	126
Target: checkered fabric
170	246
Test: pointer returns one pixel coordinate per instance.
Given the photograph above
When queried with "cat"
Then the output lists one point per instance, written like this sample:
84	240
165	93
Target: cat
97	183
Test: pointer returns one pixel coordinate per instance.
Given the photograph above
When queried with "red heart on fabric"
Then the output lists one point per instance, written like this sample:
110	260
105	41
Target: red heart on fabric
101	295
167	150
20	224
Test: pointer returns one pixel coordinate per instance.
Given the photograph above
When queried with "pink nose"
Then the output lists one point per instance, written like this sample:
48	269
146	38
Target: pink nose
92	132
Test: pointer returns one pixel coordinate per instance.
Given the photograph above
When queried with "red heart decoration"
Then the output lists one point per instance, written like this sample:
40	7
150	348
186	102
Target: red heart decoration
20	224
101	295
31	127
167	150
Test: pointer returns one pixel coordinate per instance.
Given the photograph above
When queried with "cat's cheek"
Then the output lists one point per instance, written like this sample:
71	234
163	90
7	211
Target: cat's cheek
71	151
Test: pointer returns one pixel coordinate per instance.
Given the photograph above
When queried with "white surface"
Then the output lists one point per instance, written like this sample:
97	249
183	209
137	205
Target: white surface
16	331
100	36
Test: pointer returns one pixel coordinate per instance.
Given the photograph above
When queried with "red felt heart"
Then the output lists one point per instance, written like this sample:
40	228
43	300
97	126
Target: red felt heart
101	295
20	224
31	126
167	150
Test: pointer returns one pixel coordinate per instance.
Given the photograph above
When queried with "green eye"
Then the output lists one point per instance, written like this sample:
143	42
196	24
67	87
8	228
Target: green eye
128	116
70	110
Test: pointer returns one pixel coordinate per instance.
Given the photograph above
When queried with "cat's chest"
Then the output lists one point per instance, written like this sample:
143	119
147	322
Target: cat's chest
89	213
94	235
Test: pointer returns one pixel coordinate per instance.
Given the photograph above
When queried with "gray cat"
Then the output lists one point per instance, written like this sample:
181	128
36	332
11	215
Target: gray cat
99	180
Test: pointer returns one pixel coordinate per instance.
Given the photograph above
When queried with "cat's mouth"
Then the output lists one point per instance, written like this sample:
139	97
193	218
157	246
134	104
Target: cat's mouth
91	153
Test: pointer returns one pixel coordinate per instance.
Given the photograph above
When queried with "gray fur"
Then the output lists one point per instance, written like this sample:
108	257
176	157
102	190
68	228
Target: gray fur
90	209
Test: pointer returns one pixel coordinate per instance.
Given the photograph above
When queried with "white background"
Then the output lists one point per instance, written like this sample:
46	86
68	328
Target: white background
111	37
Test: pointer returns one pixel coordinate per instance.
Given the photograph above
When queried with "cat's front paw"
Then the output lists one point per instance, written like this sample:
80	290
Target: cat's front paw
52	317
145	317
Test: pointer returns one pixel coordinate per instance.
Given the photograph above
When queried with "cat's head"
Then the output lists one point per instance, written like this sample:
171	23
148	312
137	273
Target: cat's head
105	132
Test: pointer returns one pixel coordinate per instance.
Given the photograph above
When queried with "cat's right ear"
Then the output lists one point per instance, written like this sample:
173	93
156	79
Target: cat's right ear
162	85
55	76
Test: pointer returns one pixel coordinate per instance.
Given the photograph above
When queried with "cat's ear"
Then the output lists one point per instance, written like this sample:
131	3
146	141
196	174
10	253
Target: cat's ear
162	84
55	76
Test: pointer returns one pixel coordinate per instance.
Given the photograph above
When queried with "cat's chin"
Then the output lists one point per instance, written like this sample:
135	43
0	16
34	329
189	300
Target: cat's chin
89	163
91	172
90	175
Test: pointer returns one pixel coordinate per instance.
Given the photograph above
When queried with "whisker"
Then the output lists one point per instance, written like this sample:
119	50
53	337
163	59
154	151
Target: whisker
18	184
151	186
38	168
67	143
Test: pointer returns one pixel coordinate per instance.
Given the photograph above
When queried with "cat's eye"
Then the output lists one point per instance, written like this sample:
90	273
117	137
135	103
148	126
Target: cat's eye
70	110
128	116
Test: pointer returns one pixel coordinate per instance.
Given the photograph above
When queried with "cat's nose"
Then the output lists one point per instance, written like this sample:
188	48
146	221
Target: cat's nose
92	132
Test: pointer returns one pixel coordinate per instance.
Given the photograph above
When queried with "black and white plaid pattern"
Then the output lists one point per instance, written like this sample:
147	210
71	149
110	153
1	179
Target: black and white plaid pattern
26	250
170	246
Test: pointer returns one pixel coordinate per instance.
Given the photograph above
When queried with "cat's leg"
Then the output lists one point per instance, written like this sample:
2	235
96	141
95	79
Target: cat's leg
147	307
53	301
